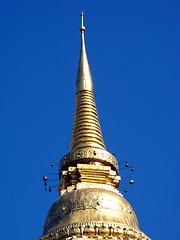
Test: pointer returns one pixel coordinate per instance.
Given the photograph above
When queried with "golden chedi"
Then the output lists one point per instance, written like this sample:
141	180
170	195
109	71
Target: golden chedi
89	205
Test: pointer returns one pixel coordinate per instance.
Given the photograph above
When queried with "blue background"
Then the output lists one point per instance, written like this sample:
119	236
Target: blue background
133	50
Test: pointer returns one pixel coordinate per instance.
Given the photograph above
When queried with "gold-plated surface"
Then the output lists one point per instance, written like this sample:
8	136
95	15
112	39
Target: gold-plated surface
84	79
94	230
87	231
89	153
90	205
92	175
86	129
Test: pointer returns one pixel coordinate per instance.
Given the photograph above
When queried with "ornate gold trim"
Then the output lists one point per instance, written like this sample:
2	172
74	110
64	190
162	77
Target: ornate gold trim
90	153
95	229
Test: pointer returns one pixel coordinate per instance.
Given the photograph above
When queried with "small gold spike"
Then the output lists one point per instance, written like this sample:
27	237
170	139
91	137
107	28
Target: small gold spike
82	28
84	79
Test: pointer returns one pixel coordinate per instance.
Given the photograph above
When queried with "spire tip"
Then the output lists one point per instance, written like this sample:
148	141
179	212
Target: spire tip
82	28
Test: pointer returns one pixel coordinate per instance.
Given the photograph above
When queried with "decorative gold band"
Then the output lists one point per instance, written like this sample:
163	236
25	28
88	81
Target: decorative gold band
90	229
99	155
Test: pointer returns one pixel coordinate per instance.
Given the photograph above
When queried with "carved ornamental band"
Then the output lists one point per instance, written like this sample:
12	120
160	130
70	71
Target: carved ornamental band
89	154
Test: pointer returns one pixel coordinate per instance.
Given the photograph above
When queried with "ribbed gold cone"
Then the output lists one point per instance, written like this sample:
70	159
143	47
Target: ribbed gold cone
86	129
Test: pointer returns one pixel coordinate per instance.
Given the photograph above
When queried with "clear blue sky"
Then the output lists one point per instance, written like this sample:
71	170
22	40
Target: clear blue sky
134	53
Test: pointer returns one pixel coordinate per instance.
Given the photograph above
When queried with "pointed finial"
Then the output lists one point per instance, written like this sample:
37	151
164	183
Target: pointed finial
84	79
82	18
82	28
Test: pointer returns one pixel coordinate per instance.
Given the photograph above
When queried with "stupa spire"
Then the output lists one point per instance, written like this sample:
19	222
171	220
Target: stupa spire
90	205
86	129
84	79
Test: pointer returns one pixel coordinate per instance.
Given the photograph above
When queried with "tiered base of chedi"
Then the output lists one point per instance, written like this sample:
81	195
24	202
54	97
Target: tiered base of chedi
88	208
